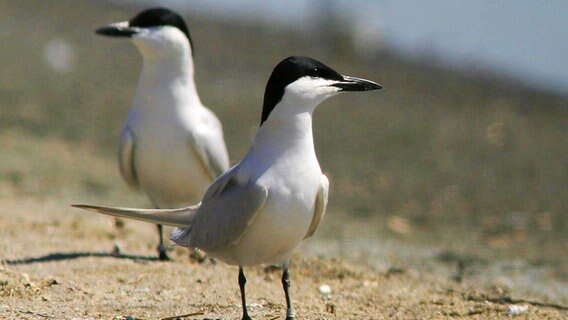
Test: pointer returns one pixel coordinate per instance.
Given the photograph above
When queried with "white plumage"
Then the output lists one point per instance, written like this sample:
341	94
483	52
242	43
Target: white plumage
171	146
262	208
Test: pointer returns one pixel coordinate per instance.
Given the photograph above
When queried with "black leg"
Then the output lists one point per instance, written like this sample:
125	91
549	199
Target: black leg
119	226
286	285
162	254
242	282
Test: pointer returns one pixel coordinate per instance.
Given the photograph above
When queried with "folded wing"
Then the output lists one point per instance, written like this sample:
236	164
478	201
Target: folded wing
320	207
209	147
227	210
126	157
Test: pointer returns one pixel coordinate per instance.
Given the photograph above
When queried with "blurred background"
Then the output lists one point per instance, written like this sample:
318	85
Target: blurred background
458	167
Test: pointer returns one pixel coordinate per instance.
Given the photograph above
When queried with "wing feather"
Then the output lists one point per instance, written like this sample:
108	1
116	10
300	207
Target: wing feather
209	147
126	161
171	217
227	210
320	207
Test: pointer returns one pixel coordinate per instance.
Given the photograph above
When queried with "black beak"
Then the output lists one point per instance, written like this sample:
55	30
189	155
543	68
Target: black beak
120	29
357	84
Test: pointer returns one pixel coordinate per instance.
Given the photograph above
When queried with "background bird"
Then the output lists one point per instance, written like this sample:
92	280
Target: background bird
171	146
260	210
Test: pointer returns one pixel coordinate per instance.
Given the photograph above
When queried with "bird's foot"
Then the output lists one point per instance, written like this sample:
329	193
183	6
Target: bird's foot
115	251
246	317
162	253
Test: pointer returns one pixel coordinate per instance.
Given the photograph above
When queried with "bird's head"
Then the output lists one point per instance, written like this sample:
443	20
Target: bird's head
157	32
307	82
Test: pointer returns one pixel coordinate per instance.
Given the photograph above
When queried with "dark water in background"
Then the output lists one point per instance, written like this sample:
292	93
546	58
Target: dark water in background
523	39
518	39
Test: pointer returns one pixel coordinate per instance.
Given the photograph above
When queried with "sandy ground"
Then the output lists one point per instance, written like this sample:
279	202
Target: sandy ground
454	152
56	265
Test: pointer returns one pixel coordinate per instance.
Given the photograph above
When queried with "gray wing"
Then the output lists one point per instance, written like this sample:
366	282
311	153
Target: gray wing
320	207
211	151
126	157
171	217
227	210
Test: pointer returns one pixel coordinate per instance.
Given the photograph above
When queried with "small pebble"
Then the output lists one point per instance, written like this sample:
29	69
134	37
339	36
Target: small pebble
325	291
515	309
124	318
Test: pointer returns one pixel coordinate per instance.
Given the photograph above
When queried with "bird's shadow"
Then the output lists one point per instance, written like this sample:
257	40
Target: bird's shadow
60	256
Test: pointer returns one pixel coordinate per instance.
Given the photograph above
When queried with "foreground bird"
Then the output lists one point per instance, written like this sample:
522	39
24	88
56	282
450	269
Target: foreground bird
260	210
171	146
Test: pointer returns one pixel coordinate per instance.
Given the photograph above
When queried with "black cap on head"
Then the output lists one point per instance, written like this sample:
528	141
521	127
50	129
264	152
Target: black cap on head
154	17
157	17
288	71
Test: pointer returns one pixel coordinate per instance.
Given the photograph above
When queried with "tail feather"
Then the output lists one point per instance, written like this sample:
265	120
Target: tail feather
182	217
180	236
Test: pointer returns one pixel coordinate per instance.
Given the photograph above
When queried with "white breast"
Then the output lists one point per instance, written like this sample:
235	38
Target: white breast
167	168
285	218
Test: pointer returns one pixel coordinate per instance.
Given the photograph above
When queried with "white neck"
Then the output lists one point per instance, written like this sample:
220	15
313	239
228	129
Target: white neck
287	132
167	82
